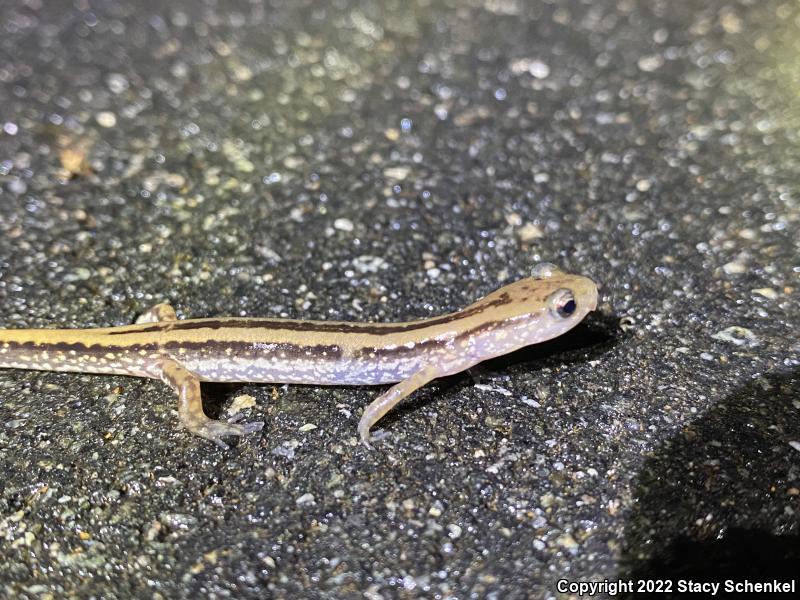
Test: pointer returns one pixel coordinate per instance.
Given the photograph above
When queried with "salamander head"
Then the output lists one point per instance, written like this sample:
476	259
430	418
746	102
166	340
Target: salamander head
543	306
578	294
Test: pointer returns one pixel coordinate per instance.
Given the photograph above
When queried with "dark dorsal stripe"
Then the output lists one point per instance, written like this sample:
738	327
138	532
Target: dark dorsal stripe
398	352
320	326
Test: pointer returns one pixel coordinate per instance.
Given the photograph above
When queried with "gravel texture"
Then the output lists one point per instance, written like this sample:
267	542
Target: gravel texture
380	161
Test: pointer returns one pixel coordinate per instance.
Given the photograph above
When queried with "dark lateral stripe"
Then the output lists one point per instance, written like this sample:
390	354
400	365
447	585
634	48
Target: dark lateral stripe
78	347
210	349
426	346
320	326
398	352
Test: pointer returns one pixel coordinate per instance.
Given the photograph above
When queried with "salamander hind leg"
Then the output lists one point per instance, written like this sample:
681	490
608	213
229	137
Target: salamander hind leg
190	407
157	314
392	397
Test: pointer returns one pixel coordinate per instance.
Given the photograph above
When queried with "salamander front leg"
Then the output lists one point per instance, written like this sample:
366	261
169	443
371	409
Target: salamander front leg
157	314
388	400
190	406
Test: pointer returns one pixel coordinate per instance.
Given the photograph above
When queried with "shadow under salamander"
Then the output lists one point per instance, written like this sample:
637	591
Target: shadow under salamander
721	500
595	336
587	341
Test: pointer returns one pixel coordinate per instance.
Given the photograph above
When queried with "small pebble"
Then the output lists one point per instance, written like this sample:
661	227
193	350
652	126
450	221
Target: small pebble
488	388
398	173
767	292
529	232
369	264
538	69
106	119
651	63
735	267
454	531
240	403
17	185
305	500
117	83
567	542
740	336
241	72
533	66
343	224
293	162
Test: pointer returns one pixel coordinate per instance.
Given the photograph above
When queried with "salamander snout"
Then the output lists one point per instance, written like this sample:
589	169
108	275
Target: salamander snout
584	295
576	295
573	301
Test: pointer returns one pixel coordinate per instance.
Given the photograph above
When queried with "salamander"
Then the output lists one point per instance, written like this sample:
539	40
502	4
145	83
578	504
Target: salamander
184	353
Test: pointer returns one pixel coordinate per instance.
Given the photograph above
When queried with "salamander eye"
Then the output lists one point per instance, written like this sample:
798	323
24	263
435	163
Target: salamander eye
567	308
562	302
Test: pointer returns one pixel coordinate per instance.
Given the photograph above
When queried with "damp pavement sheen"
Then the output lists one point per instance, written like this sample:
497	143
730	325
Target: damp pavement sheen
382	161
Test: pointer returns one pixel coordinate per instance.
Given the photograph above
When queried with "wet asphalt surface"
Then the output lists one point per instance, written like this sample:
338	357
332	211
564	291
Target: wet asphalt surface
383	161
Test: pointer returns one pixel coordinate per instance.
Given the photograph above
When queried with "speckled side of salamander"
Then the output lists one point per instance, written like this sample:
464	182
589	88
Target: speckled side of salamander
184	353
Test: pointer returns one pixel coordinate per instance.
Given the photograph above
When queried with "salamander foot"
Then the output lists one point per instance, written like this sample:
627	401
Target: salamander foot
215	430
